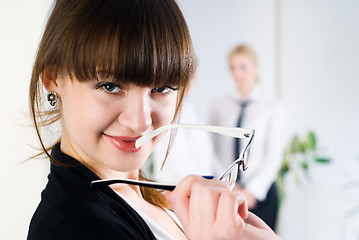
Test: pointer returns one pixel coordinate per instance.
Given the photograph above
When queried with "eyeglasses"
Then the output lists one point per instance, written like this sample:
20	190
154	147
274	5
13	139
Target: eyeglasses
230	175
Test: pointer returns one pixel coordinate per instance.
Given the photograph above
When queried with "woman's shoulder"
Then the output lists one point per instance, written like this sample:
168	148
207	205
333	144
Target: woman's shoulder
72	209
86	218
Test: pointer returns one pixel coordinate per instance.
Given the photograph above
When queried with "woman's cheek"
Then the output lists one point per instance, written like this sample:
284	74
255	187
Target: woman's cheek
168	109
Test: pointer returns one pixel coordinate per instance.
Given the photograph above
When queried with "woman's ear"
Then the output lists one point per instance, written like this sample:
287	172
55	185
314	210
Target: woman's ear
49	78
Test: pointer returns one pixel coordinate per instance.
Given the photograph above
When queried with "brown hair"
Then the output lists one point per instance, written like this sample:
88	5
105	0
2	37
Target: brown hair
144	42
243	49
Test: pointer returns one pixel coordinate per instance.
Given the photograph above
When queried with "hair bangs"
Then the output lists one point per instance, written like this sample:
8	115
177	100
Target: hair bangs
143	44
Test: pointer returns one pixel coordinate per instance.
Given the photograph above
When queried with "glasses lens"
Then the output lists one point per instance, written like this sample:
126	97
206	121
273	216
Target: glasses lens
232	176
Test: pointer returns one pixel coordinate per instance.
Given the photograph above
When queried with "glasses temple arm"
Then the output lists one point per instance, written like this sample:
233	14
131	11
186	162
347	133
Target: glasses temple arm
101	183
227	131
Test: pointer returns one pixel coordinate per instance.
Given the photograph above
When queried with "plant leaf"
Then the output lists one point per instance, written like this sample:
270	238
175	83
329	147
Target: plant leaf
322	160
311	141
296	146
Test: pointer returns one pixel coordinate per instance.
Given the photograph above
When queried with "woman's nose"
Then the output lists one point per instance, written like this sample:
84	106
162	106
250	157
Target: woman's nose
136	115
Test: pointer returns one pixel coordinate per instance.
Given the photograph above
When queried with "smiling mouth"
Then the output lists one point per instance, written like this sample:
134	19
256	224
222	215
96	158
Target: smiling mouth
123	143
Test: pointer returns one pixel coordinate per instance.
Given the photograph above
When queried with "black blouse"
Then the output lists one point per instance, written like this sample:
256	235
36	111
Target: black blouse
71	209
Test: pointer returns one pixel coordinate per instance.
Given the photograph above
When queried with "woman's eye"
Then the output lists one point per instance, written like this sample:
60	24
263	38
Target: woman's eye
164	90
111	88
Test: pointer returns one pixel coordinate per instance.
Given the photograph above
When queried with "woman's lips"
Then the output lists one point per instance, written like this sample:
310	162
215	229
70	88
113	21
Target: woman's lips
123	143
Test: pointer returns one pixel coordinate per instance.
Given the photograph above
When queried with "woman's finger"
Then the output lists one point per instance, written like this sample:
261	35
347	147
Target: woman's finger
180	198
257	229
195	199
231	208
256	222
243	206
207	198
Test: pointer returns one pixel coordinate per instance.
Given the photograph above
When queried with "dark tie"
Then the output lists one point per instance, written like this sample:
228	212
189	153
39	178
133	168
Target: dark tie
238	140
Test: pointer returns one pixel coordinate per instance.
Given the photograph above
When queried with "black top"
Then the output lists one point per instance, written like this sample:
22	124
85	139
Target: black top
71	209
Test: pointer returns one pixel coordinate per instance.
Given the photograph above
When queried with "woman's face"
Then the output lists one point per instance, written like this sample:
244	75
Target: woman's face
101	121
244	71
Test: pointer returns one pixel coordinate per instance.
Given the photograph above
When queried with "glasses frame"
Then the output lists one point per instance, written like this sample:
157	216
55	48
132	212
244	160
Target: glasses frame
227	131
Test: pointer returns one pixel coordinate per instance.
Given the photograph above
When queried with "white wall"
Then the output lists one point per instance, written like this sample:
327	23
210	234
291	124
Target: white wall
320	56
21	22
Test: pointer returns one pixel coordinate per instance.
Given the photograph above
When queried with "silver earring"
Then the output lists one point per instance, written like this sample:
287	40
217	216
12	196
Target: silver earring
52	98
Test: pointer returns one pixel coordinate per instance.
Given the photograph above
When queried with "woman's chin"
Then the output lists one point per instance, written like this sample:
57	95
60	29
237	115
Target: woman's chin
128	162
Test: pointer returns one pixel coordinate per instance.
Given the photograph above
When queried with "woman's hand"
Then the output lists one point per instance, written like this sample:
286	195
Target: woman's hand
251	200
208	209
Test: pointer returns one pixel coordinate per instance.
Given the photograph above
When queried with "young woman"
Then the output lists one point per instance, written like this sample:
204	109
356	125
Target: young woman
250	107
114	71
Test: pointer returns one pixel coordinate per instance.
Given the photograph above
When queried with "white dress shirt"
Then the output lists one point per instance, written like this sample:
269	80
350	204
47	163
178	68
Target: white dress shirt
265	115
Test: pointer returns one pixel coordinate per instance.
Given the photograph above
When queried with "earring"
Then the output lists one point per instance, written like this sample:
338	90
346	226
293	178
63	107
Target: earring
52	98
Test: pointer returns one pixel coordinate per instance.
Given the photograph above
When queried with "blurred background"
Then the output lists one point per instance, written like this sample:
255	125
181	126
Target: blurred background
308	57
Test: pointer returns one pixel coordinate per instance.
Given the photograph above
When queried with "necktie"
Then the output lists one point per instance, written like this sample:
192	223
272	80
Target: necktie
238	140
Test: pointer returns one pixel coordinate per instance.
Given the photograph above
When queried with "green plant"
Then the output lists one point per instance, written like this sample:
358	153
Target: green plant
297	159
